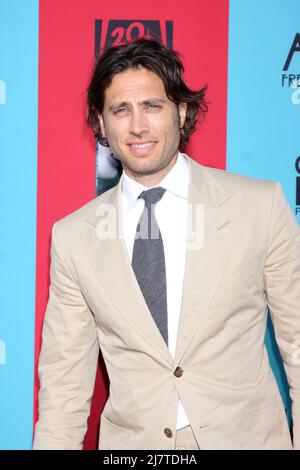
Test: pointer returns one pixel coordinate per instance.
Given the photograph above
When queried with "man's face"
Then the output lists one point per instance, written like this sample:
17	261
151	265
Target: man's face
141	124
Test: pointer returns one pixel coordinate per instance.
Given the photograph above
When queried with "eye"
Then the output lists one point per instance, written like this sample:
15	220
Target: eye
154	106
119	111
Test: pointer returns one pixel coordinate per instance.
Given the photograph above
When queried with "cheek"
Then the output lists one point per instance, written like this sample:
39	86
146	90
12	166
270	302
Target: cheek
116	132
165	125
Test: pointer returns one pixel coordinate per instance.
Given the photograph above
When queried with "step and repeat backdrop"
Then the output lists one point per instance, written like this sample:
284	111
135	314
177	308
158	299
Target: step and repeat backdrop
247	51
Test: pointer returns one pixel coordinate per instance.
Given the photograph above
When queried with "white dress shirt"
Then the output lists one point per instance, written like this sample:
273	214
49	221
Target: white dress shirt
171	214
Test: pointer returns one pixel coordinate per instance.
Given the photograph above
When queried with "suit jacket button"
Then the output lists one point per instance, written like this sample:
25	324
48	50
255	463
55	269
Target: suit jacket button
178	372
168	432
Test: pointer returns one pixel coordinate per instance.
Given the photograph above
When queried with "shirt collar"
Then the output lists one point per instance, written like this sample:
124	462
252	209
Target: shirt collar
176	182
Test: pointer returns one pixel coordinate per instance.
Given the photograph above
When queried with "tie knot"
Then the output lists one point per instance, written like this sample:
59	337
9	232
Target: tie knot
152	196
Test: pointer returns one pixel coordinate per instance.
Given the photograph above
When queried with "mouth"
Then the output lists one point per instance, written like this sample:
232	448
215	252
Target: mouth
142	148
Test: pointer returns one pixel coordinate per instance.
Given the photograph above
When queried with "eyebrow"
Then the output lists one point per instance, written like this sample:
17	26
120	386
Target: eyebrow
141	103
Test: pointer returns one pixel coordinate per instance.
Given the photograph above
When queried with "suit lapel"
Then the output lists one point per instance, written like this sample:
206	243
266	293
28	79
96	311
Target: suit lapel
113	268
204	265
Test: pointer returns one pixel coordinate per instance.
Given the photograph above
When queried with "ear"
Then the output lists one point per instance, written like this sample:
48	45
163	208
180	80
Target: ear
182	108
101	122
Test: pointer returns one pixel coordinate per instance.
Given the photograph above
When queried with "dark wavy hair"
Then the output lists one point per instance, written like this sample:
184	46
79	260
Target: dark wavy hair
157	58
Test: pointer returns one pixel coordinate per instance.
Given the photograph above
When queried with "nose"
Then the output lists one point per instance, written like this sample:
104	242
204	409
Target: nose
138	124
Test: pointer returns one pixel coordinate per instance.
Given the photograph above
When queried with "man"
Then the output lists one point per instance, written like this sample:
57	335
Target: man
170	274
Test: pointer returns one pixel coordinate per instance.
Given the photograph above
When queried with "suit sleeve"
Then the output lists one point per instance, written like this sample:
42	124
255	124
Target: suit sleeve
68	360
282	283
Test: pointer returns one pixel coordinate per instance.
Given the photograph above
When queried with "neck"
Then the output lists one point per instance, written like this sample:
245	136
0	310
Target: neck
153	179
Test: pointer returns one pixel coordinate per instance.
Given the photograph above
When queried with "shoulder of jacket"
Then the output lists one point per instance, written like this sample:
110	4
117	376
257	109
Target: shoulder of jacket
234	182
85	211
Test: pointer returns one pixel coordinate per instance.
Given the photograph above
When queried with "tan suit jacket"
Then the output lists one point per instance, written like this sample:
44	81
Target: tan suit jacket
250	258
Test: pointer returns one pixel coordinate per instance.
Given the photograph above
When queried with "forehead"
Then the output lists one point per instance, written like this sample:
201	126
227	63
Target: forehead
134	83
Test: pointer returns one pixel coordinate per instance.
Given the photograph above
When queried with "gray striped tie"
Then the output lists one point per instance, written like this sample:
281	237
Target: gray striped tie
148	261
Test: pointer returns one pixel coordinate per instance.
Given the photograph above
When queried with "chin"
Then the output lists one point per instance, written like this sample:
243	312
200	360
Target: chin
147	171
